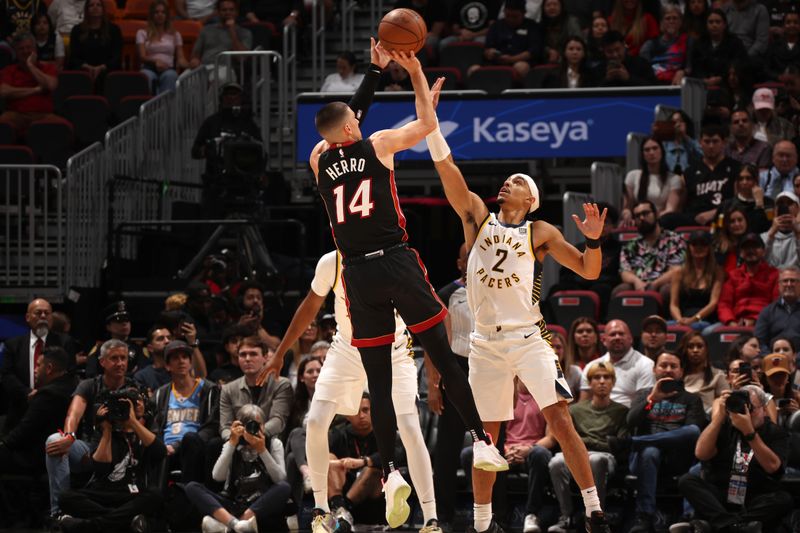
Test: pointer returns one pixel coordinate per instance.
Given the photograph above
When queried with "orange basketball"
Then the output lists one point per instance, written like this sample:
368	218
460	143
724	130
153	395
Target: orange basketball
402	30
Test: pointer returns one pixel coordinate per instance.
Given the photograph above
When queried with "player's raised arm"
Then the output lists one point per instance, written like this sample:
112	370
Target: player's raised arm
363	96
586	264
388	142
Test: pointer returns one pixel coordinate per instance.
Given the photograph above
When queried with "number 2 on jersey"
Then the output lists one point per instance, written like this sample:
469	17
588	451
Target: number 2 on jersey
361	203
503	255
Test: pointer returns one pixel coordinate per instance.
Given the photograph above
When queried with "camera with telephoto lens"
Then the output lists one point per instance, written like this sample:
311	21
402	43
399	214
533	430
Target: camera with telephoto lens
116	403
252	427
738	402
236	165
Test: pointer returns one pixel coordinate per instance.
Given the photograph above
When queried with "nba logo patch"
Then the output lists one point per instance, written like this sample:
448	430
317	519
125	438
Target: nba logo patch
341	152
523	231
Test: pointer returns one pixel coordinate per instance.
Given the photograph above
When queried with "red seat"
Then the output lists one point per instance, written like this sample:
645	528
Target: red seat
633	306
190	31
675	334
130	53
120	84
569	305
492	79
71	83
461	55
720	340
555	328
536	76
15	154
90	117
136	9
451	75
129	106
7	133
624	234
51	141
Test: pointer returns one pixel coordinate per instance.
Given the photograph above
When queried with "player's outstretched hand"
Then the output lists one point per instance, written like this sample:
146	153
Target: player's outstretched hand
378	54
272	368
436	90
592	225
407	60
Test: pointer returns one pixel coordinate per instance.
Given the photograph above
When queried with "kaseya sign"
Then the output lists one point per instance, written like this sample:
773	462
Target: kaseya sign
564	124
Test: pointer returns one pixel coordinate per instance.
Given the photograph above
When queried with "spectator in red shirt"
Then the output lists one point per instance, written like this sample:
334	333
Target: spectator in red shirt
750	287
638	27
27	86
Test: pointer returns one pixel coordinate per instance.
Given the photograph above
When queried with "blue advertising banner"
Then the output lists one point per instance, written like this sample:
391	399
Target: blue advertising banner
521	126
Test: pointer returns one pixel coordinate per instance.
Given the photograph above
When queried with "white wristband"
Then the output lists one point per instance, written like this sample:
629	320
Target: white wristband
437	145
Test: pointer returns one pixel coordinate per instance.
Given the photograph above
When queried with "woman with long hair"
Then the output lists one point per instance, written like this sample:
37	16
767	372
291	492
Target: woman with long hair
96	43
583	342
572	372
558	26
695	289
300	349
573	71
49	44
748	349
726	239
594	46
748	196
715	51
307	375
160	49
739	81
660	186
683	149
629	18
699	375
694	18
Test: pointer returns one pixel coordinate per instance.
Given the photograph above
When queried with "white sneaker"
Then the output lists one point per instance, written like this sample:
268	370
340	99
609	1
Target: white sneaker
322	522
342	513
292	523
246	526
564	525
531	524
212	525
681	527
397	492
487	457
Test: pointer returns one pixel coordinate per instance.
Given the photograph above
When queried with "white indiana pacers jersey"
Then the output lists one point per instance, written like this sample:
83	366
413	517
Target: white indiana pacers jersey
328	275
504	279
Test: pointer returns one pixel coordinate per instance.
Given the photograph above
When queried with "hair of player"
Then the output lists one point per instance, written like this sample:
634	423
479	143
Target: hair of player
330	116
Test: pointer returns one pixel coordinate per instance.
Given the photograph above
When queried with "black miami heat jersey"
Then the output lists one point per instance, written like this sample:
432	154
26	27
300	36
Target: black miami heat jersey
360	196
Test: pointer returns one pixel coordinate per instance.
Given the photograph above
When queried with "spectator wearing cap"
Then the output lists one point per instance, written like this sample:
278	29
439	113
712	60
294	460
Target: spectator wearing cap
743	147
777	369
69	450
186	414
155	375
782	238
749	21
514	40
781	318
784	50
769	126
696	287
780	176
20	357
620	69
750	287
654	336
228	357
118	326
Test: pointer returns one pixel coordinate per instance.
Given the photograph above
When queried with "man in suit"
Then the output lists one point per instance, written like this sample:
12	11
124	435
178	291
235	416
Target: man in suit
21	354
22	450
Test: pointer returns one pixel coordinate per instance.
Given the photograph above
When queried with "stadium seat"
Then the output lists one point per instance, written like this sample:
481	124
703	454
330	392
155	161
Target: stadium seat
675	334
492	79
129	106
15	154
720	340
51	141
136	9
71	83
461	55
555	328
89	116
624	234
536	76
633	306
130	54
120	84
452	76
685	231
569	305
7	134
190	31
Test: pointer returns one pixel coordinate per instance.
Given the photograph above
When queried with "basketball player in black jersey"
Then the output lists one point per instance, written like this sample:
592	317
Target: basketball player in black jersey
355	177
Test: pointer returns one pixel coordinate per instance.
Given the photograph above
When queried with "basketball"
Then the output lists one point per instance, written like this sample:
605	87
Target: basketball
402	30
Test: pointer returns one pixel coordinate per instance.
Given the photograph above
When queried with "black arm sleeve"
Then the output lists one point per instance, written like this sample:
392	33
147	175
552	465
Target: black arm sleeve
362	99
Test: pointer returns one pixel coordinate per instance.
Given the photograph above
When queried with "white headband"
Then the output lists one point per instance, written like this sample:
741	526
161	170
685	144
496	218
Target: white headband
534	190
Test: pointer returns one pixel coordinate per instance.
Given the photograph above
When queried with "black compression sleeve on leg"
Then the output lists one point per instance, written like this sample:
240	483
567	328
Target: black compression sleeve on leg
434	341
378	366
362	99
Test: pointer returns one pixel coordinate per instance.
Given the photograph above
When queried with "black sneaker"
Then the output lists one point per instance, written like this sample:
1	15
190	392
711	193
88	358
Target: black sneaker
493	528
70	524
597	523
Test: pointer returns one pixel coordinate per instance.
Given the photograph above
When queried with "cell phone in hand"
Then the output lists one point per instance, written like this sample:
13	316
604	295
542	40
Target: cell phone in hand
783	402
782	209
746	369
671	386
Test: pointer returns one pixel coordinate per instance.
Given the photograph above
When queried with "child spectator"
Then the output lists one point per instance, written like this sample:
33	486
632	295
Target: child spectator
160	49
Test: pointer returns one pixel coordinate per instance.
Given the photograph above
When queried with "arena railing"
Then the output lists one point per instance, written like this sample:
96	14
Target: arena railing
290	62
87	206
192	106
375	12
606	183
32	245
254	71
317	43
573	205
348	15
633	143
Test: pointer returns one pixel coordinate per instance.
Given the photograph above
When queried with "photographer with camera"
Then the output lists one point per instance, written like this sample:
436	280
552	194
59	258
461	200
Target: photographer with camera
252	466
69	450
666	422
744	455
117	498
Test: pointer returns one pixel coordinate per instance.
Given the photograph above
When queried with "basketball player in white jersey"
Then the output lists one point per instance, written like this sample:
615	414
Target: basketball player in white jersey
338	391
510	339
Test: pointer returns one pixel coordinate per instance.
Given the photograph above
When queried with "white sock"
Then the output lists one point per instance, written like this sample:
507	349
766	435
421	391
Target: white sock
590	500
320	416
419	463
482	516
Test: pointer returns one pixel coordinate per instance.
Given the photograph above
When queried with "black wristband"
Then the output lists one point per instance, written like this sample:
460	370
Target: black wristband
373	68
362	98
593	244
750	436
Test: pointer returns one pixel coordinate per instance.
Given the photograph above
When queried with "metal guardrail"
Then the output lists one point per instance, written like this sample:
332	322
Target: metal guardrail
32	235
606	183
86	215
192	106
632	145
317	43
693	99
573	205
348	15
375	12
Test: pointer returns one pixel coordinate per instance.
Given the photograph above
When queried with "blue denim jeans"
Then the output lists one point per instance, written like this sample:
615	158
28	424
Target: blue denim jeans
60	466
646	458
